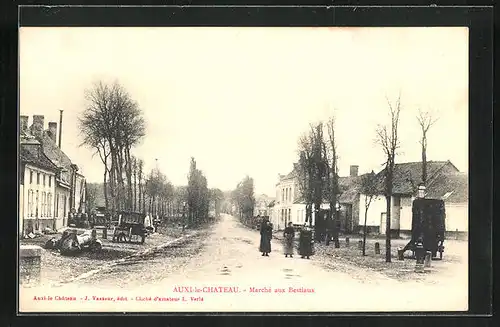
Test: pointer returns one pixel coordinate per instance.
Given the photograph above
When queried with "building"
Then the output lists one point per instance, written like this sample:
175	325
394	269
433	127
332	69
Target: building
262	205
444	182
37	175
286	194
69	183
289	205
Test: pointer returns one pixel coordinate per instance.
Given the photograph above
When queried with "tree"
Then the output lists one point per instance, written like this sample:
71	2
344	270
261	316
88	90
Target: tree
244	199
387	138
197	195
91	191
305	174
370	191
112	124
425	120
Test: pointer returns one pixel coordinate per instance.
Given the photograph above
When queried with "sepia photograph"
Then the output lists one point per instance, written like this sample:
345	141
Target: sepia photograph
243	169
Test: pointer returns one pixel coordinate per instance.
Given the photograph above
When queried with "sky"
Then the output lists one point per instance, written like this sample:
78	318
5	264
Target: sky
237	99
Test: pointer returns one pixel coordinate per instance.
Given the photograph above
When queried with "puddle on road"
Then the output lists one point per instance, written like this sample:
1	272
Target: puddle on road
287	269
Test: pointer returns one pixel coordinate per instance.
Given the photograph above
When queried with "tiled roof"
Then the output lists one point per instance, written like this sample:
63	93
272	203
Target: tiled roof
453	188
408	175
54	153
32	157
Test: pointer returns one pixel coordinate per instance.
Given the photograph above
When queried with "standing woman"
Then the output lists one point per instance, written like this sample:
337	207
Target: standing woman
289	235
305	243
265	237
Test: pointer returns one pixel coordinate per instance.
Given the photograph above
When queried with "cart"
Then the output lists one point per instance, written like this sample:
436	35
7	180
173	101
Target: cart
130	228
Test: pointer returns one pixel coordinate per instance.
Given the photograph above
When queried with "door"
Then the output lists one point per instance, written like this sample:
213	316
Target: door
383	221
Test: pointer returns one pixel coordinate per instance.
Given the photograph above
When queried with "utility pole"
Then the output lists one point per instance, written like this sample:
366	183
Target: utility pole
60	126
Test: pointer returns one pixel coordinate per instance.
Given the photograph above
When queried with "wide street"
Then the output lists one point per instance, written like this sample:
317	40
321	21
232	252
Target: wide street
227	256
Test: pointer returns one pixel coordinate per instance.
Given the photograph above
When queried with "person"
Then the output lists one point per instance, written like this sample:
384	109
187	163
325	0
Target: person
289	235
329	230
305	243
265	238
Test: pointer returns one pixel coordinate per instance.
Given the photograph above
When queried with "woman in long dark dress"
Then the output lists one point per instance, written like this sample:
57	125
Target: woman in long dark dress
289	235
265	238
305	243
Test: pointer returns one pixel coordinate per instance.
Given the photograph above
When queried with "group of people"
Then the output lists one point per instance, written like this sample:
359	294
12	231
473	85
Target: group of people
305	248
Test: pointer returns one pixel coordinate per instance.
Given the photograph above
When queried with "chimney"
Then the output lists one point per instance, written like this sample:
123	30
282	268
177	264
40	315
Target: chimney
60	127
354	170
53	131
23	124
37	126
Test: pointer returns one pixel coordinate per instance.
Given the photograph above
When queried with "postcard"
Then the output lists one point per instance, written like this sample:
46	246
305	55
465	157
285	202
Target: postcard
243	169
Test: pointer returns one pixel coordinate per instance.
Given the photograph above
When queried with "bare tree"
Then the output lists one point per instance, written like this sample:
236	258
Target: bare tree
112	124
370	191
425	120
305	172
387	138
332	183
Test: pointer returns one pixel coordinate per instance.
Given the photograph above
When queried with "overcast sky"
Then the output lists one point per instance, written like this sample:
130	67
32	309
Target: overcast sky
237	99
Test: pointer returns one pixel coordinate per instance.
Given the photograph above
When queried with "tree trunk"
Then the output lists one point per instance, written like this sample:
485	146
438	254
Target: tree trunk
388	230
424	161
364	231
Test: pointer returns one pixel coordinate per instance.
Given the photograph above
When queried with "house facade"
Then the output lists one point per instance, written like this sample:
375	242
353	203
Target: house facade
444	182
68	182
262	205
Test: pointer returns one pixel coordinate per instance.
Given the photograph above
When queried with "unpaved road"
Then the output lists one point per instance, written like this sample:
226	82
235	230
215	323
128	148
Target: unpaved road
189	276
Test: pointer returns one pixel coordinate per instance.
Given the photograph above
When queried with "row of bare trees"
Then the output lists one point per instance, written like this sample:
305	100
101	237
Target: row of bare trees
112	124
317	174
317	170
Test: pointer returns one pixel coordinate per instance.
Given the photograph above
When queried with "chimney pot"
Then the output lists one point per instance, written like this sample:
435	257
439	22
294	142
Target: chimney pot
53	131
354	170
23	123
37	126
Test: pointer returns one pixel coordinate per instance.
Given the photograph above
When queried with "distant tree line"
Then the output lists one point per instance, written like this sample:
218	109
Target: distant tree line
243	198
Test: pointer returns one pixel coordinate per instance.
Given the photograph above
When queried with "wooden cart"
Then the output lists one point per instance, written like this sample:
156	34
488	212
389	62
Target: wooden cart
130	228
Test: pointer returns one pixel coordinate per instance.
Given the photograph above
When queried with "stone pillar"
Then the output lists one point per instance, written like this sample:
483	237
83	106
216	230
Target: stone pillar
377	248
427	260
347	241
360	245
29	265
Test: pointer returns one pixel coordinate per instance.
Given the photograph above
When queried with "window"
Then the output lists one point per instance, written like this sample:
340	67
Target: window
30	203
289	214
44	199
37	203
38	178
50	181
31	176
282	195
43	179
49	204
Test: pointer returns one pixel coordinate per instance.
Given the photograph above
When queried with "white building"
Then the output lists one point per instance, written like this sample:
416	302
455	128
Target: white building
36	187
68	182
444	182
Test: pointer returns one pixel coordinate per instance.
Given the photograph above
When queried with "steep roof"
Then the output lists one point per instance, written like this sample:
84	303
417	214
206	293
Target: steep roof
30	156
408	175
54	153
350	187
453	188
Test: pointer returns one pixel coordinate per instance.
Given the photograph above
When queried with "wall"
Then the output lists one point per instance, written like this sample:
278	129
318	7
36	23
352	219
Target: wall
457	217
377	207
61	206
38	199
21	208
